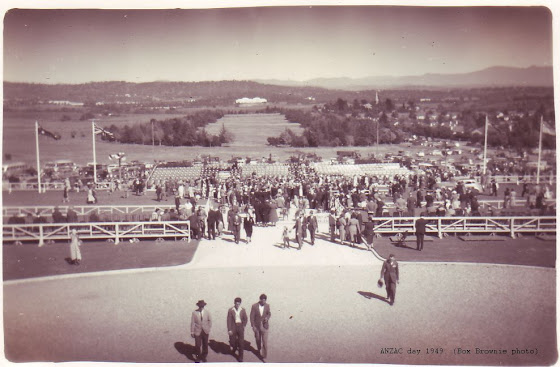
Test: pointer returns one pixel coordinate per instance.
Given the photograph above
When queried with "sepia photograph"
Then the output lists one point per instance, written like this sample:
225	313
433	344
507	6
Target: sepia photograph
312	182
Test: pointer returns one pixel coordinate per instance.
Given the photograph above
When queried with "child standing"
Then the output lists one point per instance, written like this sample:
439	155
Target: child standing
285	238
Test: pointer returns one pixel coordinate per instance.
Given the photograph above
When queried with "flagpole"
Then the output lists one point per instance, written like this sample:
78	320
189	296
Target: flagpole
485	145
94	159
540	150
38	161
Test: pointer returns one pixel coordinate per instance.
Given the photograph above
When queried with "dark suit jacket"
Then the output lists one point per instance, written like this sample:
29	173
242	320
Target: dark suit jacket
72	216
390	272
195	221
257	320
231	318
312	223
420	226
213	216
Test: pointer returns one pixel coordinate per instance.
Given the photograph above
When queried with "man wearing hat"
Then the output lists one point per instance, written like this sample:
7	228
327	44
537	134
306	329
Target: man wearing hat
260	314
236	322
201	323
390	274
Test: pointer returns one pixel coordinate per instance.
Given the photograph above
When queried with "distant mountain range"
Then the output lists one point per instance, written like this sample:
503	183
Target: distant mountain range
496	76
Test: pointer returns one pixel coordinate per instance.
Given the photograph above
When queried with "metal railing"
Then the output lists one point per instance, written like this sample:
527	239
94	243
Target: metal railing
95	231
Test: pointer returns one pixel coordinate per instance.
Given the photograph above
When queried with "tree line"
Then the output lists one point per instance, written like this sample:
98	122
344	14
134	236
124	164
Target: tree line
340	123
185	131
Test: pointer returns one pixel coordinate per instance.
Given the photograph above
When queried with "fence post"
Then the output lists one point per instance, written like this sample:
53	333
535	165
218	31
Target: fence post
41	241
117	239
511	228
440	233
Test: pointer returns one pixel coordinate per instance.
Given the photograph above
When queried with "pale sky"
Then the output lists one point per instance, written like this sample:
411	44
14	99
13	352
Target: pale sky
297	43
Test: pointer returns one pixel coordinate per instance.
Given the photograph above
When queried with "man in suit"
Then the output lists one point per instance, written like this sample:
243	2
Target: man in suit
312	226
260	314
420	226
236	322
390	274
71	215
201	323
195	226
332	225
213	215
299	230
236	227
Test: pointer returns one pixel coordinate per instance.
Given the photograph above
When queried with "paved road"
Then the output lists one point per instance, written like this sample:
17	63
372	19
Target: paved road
326	307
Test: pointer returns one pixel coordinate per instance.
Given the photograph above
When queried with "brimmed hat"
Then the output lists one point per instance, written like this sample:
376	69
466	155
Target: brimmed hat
201	303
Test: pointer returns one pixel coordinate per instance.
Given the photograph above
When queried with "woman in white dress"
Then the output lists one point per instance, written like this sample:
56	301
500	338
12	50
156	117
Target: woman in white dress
75	253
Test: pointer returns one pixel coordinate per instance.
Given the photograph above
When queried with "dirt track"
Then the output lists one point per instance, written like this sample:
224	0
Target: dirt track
326	307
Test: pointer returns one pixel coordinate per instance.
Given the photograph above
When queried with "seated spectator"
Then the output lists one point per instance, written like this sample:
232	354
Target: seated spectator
156	216
94	217
37	219
71	215
165	216
13	219
29	218
173	216
57	216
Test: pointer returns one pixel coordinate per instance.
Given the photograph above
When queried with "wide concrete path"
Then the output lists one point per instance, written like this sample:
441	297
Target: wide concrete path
325	304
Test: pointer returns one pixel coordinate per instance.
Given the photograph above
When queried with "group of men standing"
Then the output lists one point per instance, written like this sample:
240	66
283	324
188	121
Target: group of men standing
201	324
304	224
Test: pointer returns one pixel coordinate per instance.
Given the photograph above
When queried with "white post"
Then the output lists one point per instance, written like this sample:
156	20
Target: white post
540	149
41	234
38	160
94	159
485	146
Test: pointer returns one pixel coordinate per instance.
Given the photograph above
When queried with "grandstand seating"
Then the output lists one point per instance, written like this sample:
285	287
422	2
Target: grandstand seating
278	169
265	169
360	169
176	173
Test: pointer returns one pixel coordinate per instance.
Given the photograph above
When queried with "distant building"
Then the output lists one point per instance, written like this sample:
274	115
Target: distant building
67	103
246	101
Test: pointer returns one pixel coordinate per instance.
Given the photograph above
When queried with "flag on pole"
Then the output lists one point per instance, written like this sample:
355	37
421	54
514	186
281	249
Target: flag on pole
547	129
105	134
44	132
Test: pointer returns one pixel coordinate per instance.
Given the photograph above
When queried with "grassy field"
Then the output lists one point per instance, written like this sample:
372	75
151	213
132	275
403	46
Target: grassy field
250	132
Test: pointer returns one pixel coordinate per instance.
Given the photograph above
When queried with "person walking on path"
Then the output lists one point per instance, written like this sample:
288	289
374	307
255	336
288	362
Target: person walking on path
285	238
248	224
236	322
420	226
236	222
201	323
368	232
312	226
332	225
213	217
299	230
342	228
75	243
260	314
390	274
353	228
